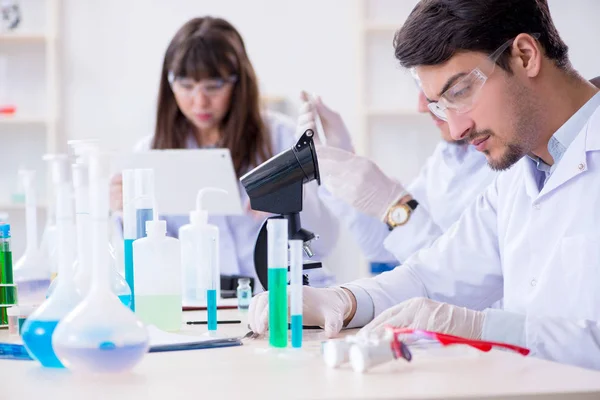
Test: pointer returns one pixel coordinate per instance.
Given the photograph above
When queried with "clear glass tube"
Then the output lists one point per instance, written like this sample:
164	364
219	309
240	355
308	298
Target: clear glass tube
277	255
82	217
212	259
144	199
296	291
31	273
129	229
28	179
83	263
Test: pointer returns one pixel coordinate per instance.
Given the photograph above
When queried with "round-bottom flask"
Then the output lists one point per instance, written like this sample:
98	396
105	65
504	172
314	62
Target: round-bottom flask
100	335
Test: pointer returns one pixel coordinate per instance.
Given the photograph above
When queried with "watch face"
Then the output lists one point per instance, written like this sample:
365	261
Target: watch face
399	215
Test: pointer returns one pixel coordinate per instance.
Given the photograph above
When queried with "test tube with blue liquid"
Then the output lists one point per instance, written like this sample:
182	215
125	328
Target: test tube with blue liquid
277	258
144	199
129	228
213	285
296	291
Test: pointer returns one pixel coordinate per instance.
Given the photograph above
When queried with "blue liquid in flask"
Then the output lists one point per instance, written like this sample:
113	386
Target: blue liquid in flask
107	357
37	337
126	300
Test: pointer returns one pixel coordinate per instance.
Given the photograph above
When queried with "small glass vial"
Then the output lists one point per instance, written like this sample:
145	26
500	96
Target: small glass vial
244	294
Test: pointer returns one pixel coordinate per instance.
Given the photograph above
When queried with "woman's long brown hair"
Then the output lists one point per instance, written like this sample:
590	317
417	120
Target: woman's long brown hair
212	48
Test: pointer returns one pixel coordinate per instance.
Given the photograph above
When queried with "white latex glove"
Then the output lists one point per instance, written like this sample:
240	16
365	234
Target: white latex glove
358	181
430	315
326	308
335	130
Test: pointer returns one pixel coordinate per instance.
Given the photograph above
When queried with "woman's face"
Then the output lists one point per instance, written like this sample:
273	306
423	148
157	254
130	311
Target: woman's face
206	102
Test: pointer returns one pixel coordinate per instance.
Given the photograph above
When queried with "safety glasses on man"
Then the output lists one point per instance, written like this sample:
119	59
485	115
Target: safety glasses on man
463	94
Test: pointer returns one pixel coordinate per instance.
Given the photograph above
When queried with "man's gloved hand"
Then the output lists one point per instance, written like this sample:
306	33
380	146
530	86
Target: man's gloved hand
358	181
326	308
335	130
430	315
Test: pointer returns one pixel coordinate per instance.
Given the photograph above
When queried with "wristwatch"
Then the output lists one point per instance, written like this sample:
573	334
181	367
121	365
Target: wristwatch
399	214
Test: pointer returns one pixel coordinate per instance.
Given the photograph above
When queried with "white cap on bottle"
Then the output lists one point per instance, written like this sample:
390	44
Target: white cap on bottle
199	216
156	227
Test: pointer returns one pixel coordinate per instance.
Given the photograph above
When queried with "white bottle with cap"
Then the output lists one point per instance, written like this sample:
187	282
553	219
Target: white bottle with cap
200	254
157	277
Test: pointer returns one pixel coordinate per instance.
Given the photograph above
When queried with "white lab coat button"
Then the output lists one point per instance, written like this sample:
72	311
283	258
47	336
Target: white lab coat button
581	166
533	282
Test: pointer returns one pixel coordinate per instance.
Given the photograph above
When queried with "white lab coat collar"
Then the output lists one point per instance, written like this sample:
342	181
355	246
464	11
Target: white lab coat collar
573	162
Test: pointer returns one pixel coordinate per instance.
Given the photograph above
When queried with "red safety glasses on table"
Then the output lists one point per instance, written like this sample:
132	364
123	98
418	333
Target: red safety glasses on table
446	340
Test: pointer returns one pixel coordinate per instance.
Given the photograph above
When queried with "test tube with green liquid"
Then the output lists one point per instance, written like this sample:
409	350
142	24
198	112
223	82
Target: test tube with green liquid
277	241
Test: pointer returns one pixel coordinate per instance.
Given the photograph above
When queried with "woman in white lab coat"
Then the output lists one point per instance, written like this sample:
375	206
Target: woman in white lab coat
208	98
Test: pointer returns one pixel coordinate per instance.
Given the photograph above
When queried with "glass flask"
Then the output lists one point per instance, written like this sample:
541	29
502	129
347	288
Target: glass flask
100	335
38	329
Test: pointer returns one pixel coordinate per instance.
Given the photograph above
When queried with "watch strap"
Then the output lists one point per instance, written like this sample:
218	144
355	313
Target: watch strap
412	204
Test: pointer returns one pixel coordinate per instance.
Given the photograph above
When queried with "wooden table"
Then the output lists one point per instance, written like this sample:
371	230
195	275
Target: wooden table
252	372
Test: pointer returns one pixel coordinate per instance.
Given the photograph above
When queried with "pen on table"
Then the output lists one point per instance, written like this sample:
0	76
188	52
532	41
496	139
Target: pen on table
233	321
13	351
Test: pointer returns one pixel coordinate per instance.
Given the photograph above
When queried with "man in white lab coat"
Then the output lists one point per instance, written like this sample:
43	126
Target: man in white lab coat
500	74
452	178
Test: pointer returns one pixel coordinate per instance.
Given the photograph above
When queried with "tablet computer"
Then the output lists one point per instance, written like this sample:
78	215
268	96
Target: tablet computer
180	174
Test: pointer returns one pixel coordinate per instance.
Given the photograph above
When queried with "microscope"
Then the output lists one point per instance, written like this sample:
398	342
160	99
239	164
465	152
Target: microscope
275	187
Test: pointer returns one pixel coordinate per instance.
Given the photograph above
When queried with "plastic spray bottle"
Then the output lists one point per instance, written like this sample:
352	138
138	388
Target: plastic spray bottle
199	254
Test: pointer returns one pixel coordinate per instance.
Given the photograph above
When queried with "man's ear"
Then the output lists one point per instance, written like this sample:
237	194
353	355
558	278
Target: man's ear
528	53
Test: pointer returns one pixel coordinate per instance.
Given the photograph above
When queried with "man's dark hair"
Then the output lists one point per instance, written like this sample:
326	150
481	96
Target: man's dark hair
436	30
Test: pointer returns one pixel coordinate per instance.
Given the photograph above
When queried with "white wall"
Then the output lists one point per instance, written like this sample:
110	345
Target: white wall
114	51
